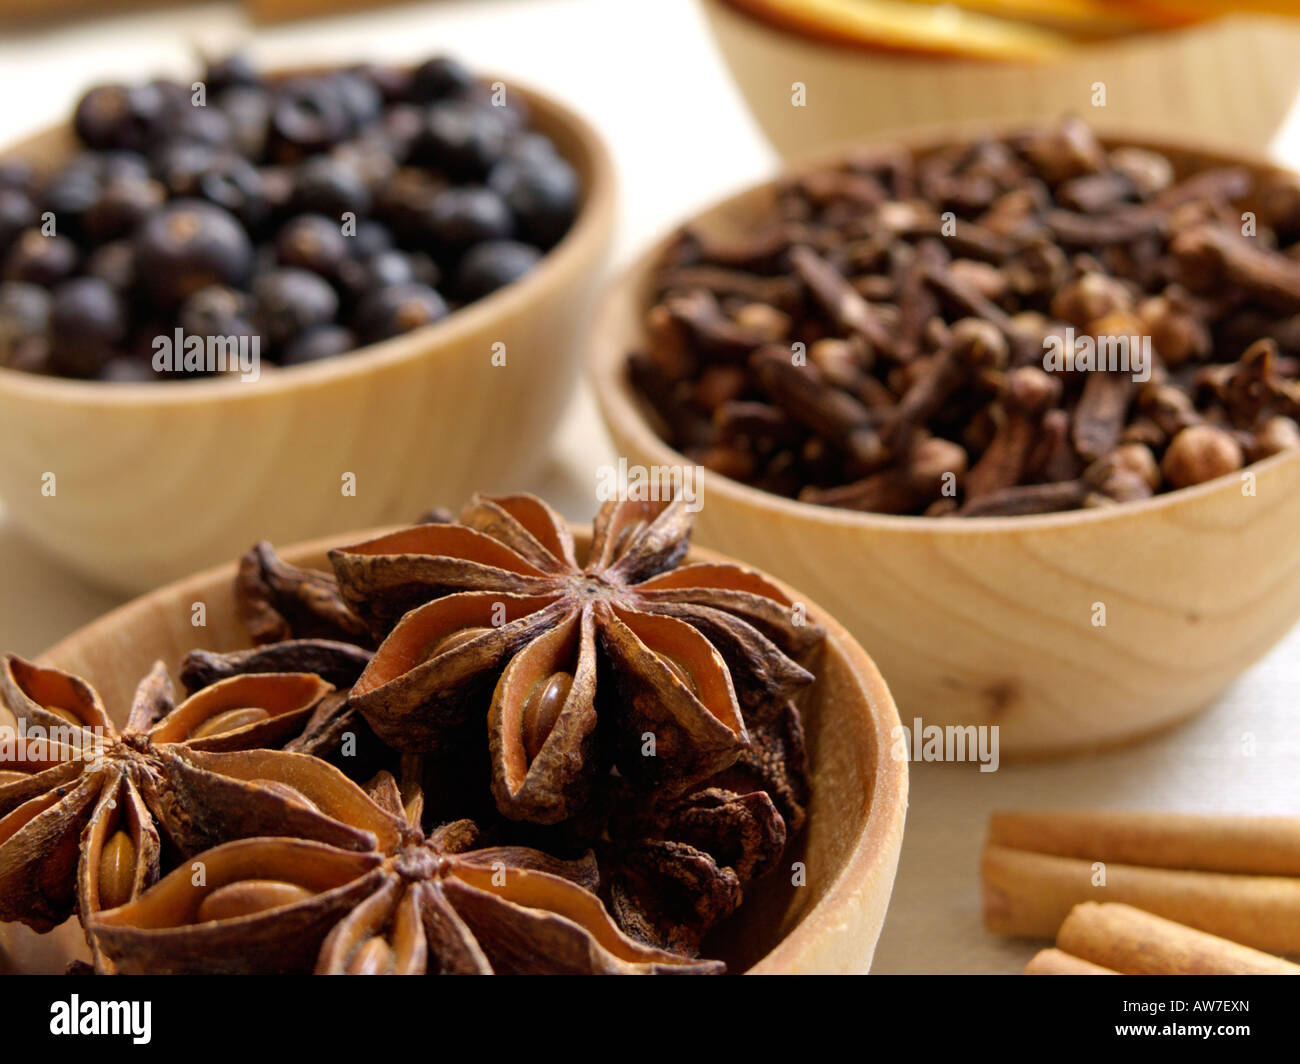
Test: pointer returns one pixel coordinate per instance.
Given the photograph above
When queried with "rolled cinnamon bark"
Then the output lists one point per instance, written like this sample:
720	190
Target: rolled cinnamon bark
1058	962
1132	942
1030	894
1254	845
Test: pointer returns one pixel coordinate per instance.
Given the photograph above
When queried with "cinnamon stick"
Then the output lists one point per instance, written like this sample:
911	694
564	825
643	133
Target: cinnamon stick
1131	942
1030	894
1058	962
1252	845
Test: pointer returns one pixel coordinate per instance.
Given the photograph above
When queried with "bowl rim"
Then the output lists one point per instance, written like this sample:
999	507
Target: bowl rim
875	849
621	406
592	226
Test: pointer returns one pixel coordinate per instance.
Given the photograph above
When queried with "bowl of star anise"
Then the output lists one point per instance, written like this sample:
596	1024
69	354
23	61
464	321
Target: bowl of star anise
496	744
1021	408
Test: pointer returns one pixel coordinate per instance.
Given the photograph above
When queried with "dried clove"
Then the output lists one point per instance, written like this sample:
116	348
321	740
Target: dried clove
902	305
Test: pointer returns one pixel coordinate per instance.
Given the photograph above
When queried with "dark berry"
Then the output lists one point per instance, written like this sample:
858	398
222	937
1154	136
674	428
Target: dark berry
530	147
118	116
123	204
232	182
314	243
361	99
323	341
201	125
543	193
70	194
15	173
216	310
119	165
187	245
235	69
248	110
40	259
114	262
468	214
329	186
463	139
309	115
370	157
440	77
403	202
402	128
24	326
88	322
290	301
17	212
393	82
492	265
398	309
277	187
370	237
360	276
180	166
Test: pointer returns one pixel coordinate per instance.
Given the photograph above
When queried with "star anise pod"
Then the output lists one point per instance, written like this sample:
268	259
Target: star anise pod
676	867
81	803
503	613
277	601
335	732
421	903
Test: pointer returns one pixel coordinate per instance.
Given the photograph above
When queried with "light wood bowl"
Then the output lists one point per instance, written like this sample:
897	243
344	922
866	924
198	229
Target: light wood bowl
849	846
989	621
1233	79
157	480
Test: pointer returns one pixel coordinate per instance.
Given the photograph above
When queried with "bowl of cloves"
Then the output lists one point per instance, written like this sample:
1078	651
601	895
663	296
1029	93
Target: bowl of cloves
330	284
1019	407
490	744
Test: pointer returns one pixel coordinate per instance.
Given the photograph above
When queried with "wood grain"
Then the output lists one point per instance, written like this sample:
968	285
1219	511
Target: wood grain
992	621
157	480
850	845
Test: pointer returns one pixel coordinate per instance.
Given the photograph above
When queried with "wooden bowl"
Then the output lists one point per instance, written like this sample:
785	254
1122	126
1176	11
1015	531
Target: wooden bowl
156	480
990	621
849	846
1233	79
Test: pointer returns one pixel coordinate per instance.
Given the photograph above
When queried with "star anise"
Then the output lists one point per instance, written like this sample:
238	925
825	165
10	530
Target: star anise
81	804
277	601
503	613
676	867
335	731
421	903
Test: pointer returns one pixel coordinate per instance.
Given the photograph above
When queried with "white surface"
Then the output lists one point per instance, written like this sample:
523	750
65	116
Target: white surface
646	73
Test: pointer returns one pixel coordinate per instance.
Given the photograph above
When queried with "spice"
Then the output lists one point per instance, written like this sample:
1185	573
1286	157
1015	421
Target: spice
597	865
1238	877
1116	939
292	219
85	810
436	902
502	613
964	330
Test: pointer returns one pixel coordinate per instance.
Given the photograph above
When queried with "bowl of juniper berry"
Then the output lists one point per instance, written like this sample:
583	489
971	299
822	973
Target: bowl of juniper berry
285	305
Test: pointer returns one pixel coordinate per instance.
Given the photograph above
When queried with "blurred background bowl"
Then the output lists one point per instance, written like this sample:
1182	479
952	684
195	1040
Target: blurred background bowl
155	480
1232	80
991	621
849	845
